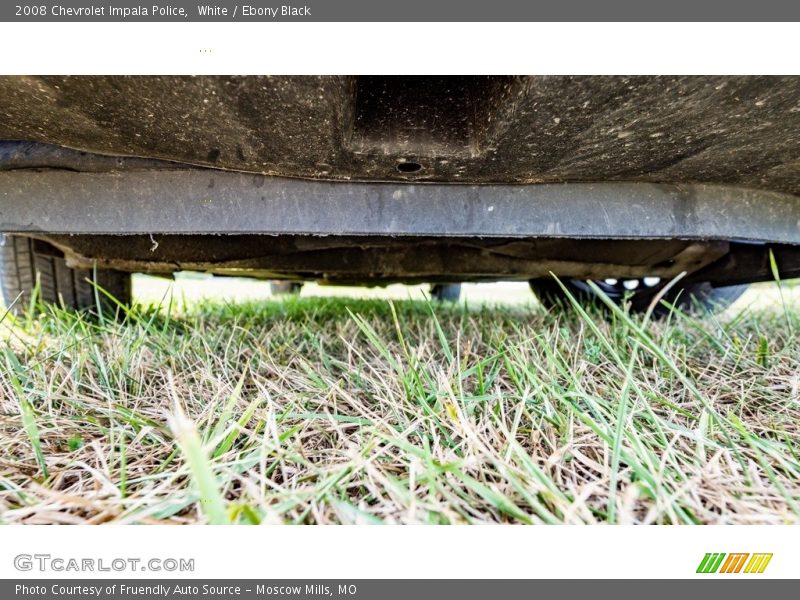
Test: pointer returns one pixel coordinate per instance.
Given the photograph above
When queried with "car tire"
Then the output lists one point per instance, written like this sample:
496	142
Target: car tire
24	261
446	292
694	298
285	288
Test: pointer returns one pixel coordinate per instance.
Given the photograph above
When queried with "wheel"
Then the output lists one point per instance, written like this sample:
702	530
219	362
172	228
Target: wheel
700	297
446	292
285	288
24	260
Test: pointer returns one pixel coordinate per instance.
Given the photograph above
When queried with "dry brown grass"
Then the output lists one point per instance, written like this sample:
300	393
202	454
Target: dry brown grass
334	411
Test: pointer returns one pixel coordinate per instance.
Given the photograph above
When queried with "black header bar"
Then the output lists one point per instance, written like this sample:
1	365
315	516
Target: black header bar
407	10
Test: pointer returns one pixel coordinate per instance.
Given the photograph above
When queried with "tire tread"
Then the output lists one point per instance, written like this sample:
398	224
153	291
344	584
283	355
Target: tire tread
23	260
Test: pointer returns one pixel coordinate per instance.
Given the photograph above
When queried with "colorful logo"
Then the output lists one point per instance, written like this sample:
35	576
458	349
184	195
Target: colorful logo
719	562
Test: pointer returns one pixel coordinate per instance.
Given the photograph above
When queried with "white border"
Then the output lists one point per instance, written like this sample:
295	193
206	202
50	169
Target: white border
432	552
399	48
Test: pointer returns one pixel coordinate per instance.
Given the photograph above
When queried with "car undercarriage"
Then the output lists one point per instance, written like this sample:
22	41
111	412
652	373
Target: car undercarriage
407	179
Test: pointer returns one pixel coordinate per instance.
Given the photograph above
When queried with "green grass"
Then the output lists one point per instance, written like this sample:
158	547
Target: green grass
322	410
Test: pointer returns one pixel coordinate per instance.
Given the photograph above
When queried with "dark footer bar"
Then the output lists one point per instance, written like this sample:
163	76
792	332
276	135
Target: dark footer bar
732	587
